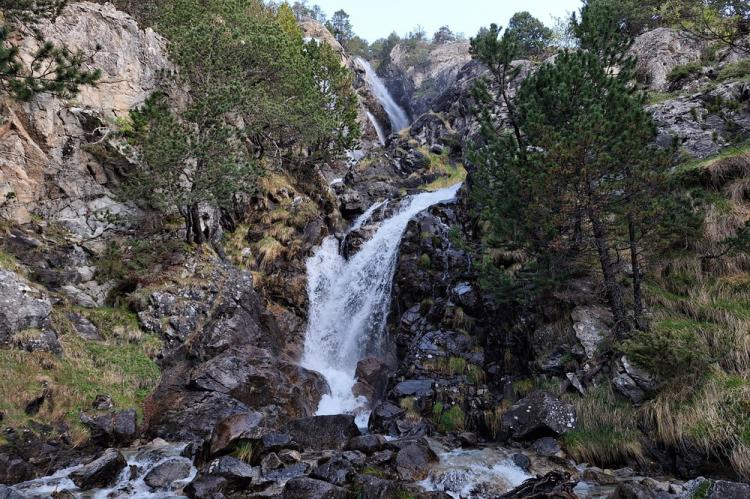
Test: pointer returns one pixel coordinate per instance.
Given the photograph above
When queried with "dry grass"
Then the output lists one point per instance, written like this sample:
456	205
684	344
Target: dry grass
268	250
118	366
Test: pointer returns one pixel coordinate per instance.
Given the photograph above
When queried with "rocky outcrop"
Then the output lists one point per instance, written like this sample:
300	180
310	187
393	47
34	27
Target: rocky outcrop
660	51
58	158
25	320
417	78
101	472
537	415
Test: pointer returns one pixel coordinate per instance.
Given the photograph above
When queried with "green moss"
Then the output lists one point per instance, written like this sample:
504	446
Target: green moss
373	471
424	261
703	489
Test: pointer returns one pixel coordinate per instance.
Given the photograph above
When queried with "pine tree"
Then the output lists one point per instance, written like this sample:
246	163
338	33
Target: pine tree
531	35
53	68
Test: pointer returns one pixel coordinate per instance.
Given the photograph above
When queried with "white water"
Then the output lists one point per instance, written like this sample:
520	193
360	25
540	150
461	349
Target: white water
142	459
399	119
349	303
378	128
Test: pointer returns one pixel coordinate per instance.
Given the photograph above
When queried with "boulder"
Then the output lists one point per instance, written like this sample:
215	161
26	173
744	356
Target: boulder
384	417
323	432
522	461
632	490
309	488
116	428
23	307
275	442
367	444
414	462
546	446
372	487
237	475
206	487
338	470
539	414
374	372
235	428
84	327
163	475
101	472
591	325
729	490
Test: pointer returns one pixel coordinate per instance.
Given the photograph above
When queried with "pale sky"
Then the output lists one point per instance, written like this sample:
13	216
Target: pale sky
373	19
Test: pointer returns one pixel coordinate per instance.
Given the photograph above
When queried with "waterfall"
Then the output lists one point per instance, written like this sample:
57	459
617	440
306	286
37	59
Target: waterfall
399	119
378	128
350	299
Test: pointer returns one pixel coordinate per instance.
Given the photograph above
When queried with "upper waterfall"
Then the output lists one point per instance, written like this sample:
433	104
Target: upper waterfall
350	300
397	116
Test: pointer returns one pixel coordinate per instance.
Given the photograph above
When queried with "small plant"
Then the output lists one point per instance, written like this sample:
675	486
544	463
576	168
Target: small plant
424	261
448	420
684	72
735	71
244	451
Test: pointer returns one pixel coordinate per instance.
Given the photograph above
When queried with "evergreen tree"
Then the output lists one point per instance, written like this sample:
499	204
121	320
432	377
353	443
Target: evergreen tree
444	35
53	68
341	26
531	35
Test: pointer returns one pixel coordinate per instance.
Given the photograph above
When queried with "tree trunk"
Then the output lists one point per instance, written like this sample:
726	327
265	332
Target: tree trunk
637	293
198	237
187	216
614	291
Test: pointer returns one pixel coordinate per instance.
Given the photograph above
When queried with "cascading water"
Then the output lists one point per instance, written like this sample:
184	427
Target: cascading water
349	302
378	128
397	116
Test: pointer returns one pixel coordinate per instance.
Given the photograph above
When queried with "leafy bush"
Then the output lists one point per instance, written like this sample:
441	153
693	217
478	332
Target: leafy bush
684	72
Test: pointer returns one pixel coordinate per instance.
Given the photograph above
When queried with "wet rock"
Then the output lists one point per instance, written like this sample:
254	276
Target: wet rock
414	462
309	488
372	487
729	490
163	475
10	493
338	470
522	461
591	325
14	469
468	439
554	484
596	475
546	447
323	432
632	490
206	487
112	429
237	427
374	372
367	444
384	417
382	457
101	472
287	473
539	414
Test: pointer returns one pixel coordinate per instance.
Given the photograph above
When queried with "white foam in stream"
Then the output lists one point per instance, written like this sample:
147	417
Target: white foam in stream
349	303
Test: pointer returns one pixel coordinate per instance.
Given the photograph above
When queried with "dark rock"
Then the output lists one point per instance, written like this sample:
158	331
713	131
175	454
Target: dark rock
270	462
323	432
729	490
287	473
372	487
374	372
632	490
117	428
367	443
13	469
237	427
383	418
357	458
274	442
555	484
290	456
206	487
101	472
308	488
414	462
163	475
596	475
419	388
382	457
468	439
10	493
337	470
539	414
522	461
237	475
546	446
102	403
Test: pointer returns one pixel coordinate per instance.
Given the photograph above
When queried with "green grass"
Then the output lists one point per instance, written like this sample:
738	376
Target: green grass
451	173
8	262
448	420
739	70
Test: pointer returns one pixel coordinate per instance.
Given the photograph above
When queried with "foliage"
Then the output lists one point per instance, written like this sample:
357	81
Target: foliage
258	91
684	72
444	35
726	22
52	69
340	26
531	35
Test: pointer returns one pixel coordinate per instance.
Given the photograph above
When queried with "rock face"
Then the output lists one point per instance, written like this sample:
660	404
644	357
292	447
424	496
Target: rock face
63	159
25	315
417	86
660	51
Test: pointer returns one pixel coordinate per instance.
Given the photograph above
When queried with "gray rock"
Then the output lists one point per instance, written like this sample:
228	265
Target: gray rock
383	418
237	474
163	475
206	487
79	297
338	470
591	325
367	443
84	327
116	428
522	461
415	461
323	432
100	473
287	473
546	447
418	388
237	427
538	414
632	490
22	307
660	51
270	462
308	488
729	490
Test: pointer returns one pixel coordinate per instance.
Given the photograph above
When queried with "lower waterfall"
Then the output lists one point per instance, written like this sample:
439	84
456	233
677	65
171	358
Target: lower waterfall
349	303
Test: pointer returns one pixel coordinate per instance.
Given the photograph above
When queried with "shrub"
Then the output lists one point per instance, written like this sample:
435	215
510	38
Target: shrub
684	72
735	71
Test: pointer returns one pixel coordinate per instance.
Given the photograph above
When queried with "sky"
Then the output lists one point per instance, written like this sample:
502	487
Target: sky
373	19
